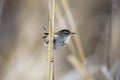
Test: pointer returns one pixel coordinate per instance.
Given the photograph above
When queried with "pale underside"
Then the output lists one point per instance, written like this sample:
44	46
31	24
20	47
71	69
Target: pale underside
58	41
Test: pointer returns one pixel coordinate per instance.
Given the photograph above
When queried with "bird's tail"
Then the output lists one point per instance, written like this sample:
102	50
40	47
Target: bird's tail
45	32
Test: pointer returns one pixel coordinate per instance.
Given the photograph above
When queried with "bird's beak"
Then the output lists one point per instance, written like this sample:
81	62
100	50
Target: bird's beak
73	33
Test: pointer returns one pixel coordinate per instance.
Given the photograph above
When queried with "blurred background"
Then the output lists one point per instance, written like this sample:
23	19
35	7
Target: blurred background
94	51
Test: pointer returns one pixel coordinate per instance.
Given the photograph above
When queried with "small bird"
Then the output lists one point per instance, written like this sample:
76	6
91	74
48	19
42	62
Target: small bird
61	38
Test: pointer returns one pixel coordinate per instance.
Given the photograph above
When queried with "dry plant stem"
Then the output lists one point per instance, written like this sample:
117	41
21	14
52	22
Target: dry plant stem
109	37
51	8
77	38
59	15
73	27
79	67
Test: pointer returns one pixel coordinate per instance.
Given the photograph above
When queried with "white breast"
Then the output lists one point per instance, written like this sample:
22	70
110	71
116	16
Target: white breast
67	39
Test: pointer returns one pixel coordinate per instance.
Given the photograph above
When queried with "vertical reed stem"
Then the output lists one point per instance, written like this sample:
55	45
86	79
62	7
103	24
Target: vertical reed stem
79	48
51	9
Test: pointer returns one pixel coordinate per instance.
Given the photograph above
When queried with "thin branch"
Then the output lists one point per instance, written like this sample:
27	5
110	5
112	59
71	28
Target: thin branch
51	8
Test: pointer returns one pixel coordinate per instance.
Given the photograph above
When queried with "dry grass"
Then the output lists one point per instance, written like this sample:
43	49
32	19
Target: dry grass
51	9
82	64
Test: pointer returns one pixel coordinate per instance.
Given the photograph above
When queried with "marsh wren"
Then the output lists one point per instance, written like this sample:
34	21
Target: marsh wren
61	38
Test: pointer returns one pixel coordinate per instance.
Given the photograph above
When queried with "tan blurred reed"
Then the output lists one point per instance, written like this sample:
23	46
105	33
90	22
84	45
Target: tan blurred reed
80	67
51	9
